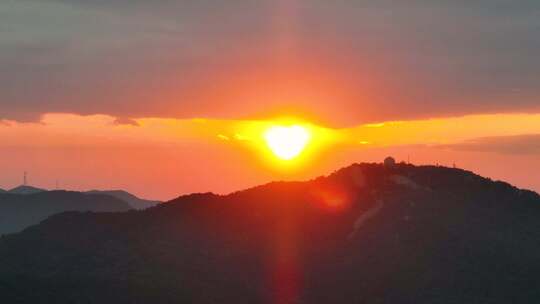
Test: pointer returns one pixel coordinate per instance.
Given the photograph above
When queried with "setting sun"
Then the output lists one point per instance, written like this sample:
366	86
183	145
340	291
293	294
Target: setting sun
287	142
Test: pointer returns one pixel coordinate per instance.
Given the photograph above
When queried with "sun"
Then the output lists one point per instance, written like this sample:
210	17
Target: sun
287	142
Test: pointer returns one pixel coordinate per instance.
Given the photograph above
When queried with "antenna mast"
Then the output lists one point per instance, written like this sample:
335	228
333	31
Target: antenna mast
25	178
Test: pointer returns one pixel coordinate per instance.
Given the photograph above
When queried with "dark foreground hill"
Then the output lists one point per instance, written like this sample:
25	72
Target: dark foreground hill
365	234
18	211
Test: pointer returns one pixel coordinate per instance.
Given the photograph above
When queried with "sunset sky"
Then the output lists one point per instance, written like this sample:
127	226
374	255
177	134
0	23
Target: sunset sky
166	97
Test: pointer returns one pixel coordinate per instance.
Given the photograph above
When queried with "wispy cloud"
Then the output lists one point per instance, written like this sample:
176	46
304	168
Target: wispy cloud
527	144
126	121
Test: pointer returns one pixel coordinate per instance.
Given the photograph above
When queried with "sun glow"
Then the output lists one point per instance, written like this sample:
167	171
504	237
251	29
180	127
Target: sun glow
287	142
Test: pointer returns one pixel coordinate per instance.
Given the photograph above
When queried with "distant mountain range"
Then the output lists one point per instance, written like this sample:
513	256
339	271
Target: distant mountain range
18	211
367	233
132	200
25	190
24	206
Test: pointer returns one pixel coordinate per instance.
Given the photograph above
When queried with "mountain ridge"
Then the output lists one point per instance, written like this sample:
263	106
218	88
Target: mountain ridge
133	200
19	211
24	189
13	218
363	234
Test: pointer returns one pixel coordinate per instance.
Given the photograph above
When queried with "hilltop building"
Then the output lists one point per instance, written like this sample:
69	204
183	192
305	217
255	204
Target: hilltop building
389	162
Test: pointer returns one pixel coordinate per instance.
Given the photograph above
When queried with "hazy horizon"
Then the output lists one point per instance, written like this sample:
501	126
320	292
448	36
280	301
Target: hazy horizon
168	97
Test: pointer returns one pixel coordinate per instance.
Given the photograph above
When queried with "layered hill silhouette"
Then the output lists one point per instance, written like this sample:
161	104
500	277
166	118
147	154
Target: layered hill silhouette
23	189
364	234
132	200
24	205
18	211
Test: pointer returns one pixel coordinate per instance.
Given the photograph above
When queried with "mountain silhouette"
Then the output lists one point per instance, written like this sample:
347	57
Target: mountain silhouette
22	208
367	233
23	189
127	197
18	211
